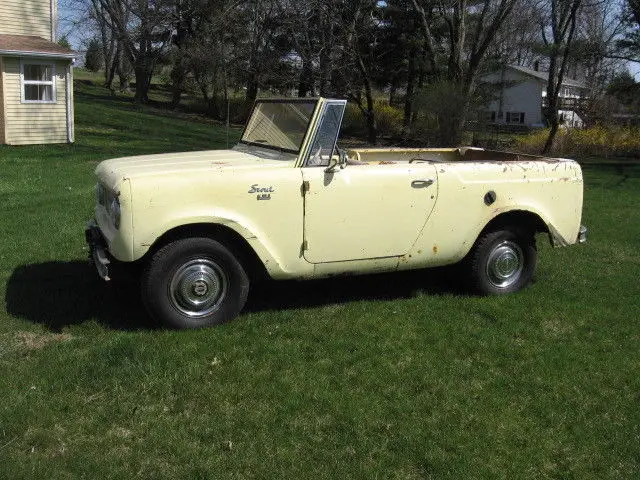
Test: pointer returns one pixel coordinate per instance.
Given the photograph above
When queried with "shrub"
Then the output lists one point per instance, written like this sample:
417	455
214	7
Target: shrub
353	122
388	120
598	140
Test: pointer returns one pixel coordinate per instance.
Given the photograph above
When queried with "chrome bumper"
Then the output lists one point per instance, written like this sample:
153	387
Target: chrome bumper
97	249
582	234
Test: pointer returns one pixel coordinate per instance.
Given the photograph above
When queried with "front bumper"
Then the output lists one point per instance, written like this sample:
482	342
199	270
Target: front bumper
582	234
97	249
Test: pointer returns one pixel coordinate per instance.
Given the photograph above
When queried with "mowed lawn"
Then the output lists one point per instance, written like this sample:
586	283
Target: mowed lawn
391	376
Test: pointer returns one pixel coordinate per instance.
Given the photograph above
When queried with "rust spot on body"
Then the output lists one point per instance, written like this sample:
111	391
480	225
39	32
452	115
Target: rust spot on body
435	249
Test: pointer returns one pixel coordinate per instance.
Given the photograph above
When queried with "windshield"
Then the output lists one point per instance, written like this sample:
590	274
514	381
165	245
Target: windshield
281	125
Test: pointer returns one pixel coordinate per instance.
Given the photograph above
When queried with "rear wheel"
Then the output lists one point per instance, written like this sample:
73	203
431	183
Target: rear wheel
502	261
193	283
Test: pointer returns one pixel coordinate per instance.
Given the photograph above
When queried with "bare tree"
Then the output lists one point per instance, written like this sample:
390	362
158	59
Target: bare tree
599	25
515	43
558	24
359	38
108	42
142	29
470	28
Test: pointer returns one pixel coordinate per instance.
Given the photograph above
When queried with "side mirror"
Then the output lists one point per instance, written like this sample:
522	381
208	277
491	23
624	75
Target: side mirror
333	163
339	162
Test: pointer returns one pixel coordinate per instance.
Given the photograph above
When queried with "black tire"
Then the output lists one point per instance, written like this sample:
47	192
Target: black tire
194	283
502	261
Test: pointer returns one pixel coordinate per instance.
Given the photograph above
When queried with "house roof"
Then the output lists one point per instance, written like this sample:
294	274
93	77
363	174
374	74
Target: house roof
544	76
31	46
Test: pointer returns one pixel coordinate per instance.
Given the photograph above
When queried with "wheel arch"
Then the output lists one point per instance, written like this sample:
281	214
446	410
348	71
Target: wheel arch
521	218
227	236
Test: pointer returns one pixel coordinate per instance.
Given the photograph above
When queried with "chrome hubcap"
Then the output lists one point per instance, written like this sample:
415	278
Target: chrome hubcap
198	287
505	264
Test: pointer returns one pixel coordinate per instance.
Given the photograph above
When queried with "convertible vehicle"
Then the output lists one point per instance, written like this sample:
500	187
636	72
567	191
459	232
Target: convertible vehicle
287	203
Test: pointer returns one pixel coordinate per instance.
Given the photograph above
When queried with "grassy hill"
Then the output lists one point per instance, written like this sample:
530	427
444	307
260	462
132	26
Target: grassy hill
389	376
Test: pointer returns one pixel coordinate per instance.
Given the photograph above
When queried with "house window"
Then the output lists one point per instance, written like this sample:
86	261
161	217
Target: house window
515	117
38	82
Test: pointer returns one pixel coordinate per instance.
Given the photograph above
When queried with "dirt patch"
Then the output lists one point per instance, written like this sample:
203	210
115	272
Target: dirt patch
555	327
35	341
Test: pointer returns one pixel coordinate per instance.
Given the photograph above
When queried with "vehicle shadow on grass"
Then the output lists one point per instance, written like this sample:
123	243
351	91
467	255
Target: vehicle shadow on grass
272	295
61	294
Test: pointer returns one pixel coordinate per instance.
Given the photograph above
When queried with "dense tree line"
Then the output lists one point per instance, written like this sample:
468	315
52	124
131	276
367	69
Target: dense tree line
427	56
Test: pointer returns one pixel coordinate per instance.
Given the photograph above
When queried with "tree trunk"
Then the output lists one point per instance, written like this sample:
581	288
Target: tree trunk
250	97
178	74
142	90
326	67
204	90
306	78
124	73
552	135
110	73
408	100
372	128
563	29
552	106
325	56
108	47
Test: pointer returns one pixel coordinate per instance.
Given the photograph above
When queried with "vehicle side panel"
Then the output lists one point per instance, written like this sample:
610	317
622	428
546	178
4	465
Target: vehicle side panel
551	190
265	207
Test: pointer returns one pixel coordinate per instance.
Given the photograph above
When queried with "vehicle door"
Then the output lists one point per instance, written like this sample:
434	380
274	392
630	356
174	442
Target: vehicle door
361	211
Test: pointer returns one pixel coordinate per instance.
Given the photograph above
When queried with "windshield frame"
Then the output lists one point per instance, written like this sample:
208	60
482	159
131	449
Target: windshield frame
314	100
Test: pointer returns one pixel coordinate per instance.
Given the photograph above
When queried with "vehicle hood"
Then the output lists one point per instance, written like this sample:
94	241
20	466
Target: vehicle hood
112	172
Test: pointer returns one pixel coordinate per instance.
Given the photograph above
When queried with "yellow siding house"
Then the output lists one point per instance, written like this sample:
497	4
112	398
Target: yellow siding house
36	75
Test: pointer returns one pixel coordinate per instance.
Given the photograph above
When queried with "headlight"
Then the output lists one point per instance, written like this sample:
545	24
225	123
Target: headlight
114	211
101	194
111	203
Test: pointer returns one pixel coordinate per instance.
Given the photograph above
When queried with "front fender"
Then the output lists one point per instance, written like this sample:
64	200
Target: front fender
260	242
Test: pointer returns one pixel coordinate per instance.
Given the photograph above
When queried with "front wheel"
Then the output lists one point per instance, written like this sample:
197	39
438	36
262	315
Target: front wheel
502	261
193	283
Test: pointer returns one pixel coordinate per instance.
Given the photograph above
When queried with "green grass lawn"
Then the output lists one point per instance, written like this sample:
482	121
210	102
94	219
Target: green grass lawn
389	376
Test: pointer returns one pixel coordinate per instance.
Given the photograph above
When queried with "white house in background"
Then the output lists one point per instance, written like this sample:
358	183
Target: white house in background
521	98
36	75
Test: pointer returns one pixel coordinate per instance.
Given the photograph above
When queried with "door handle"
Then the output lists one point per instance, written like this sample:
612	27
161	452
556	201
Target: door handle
422	183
